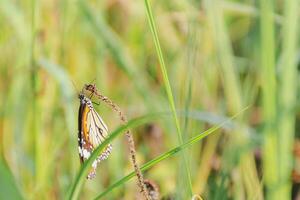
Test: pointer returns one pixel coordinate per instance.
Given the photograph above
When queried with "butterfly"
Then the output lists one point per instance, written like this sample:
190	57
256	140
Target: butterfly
92	131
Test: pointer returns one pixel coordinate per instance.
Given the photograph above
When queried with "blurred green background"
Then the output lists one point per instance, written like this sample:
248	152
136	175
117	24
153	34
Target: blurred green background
221	56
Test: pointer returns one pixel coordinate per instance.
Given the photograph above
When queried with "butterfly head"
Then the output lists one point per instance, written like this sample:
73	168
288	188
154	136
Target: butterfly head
85	100
81	96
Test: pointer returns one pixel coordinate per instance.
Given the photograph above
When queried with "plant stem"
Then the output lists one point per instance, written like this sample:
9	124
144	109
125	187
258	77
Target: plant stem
268	82
130	140
168	90
288	97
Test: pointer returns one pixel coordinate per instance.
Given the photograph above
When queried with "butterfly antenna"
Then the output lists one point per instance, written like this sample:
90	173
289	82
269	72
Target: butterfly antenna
93	84
94	80
77	91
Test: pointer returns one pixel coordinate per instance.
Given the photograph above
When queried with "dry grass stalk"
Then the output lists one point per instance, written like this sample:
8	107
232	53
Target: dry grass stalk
92	88
152	189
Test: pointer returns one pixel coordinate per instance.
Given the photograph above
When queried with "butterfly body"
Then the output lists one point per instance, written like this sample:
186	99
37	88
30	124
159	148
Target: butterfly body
92	131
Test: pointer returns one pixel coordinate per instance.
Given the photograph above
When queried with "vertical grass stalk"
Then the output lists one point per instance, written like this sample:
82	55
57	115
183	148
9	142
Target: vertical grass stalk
268	82
33	76
287	96
168	88
233	94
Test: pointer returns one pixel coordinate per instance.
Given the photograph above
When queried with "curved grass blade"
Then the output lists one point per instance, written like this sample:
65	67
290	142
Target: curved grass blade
117	49
81	177
66	88
169	154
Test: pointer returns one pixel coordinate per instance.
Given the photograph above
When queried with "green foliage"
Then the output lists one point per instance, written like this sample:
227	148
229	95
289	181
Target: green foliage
192	62
8	188
186	182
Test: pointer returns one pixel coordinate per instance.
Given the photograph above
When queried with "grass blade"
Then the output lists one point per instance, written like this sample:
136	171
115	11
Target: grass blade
116	49
8	188
269	97
168	154
67	90
287	97
234	97
168	90
81	177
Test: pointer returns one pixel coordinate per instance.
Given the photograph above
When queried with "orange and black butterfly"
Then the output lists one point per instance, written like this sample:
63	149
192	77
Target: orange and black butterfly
92	131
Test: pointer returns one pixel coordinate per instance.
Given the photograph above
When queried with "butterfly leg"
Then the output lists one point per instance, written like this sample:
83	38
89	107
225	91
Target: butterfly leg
92	172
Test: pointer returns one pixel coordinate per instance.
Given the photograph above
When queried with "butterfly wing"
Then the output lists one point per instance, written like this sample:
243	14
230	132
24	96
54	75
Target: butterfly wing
98	132
92	132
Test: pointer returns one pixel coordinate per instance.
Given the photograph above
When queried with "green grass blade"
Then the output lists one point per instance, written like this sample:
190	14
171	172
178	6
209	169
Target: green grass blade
116	49
287	98
168	154
35	107
232	84
81	177
66	87
168	90
233	91
8	188
268	82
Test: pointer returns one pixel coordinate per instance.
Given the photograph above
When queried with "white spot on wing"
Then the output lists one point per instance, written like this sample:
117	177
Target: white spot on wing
79	150
86	153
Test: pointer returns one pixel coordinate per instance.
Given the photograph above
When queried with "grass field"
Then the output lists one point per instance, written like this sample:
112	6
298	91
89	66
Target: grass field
211	90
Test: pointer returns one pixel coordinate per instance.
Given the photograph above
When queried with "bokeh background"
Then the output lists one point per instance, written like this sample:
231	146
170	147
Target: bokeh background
221	56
